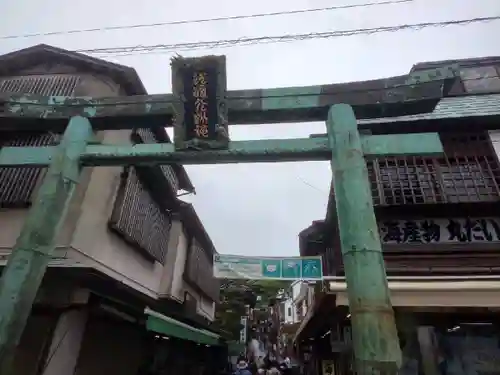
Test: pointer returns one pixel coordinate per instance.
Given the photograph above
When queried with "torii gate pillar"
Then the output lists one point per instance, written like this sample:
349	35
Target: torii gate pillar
375	337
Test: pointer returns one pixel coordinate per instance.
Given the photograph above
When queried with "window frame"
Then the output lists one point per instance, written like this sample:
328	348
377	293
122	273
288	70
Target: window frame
462	175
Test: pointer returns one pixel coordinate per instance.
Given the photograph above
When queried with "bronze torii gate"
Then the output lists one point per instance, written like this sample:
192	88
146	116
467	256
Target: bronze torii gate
202	110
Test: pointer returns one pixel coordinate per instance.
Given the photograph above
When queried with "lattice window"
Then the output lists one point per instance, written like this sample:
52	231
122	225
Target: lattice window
54	84
147	136
137	217
199	271
18	184
468	172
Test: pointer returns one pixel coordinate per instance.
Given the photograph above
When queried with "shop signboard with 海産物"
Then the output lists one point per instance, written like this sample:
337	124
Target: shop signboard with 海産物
267	268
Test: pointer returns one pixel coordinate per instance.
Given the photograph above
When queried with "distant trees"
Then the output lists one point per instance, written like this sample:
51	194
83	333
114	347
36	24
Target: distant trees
237	294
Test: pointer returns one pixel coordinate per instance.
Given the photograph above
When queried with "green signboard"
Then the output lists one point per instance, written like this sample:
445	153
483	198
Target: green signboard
291	268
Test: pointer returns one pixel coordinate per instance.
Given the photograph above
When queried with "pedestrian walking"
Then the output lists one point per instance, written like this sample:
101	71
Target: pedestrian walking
242	367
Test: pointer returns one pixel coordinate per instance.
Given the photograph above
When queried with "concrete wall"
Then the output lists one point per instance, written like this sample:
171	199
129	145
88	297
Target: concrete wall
11	220
84	237
86	240
65	343
30	350
96	246
204	306
103	249
179	265
495	140
290	305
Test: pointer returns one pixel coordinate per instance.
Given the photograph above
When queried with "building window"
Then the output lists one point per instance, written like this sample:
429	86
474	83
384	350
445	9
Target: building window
468	172
481	79
17	185
199	271
50	84
289	312
147	136
297	311
138	218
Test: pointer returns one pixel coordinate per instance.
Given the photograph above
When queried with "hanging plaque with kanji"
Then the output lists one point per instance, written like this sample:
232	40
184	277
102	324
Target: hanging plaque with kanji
199	87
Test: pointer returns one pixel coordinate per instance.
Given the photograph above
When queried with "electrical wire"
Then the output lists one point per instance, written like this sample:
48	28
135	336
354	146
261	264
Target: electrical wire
245	41
204	20
311	185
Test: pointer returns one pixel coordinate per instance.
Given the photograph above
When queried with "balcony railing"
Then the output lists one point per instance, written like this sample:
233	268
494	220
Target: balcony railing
468	172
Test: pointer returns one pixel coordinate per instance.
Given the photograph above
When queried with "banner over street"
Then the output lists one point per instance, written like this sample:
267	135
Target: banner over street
267	268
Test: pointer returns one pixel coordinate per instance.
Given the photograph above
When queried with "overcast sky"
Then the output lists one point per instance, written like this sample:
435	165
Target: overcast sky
259	209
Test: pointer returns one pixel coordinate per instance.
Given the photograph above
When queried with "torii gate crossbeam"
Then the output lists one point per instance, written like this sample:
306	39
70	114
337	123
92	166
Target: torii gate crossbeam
375	339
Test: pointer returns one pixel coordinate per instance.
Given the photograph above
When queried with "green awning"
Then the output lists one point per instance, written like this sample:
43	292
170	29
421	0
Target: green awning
167	326
235	348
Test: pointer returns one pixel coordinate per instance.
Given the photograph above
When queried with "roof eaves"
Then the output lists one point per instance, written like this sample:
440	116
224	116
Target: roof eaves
132	85
448	108
475	61
315	229
194	225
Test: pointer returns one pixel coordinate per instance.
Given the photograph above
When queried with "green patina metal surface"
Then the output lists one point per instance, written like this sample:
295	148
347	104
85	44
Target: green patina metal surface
270	150
424	144
291	97
409	94
422	76
31	254
375	337
374	333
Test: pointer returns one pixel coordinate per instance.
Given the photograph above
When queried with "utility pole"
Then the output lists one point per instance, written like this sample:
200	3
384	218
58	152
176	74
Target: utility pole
35	245
375	337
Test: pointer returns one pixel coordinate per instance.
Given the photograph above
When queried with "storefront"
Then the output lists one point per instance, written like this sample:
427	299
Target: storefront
178	348
447	326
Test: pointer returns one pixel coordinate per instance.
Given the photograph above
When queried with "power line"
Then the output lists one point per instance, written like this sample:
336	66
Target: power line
204	20
311	185
245	41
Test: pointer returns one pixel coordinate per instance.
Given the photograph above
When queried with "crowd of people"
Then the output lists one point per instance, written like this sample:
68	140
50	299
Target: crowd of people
267	367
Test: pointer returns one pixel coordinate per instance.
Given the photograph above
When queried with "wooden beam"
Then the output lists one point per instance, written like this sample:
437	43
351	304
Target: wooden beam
260	151
395	96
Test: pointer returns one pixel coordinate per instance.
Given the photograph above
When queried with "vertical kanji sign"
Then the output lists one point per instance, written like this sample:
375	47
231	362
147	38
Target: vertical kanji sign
199	86
200	109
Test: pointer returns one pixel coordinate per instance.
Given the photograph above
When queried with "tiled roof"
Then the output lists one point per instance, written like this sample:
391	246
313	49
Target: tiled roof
455	107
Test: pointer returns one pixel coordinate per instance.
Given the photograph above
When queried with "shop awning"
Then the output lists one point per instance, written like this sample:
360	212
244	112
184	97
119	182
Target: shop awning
316	316
167	326
469	291
235	348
